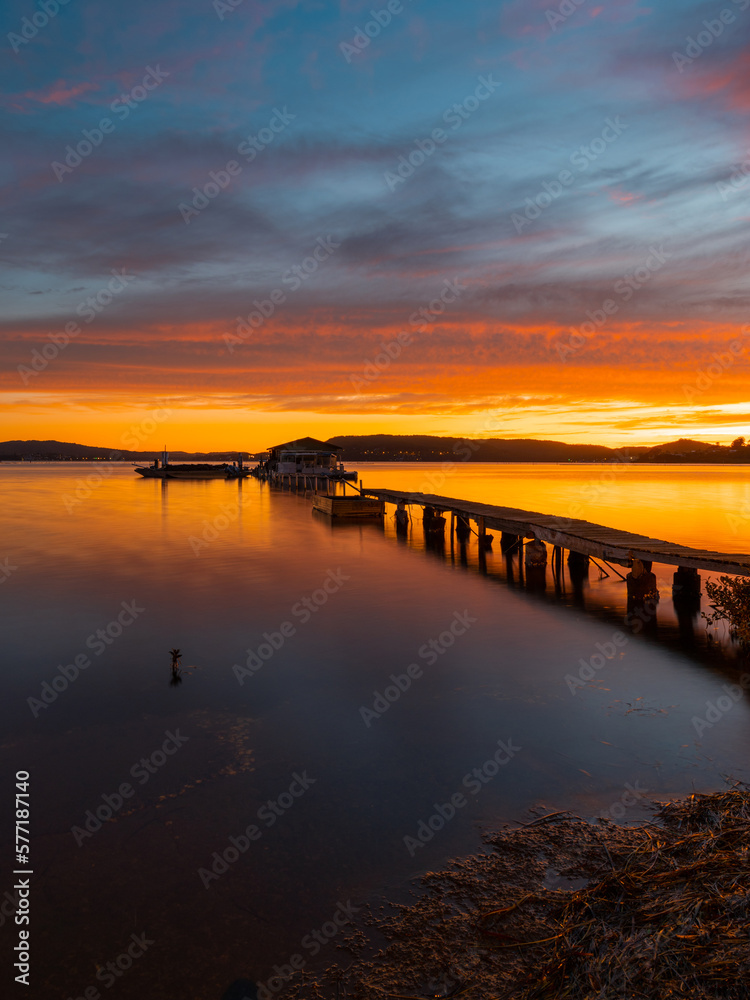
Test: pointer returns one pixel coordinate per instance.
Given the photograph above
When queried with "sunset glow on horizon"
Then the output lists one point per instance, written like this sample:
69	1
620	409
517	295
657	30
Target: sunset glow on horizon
282	219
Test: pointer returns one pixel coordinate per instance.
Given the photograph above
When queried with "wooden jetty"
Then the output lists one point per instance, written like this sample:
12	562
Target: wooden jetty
582	537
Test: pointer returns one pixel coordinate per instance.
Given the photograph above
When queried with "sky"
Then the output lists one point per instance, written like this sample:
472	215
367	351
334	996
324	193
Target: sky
242	222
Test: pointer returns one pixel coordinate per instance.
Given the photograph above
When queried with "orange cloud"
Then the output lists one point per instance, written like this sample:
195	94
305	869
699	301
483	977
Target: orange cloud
59	93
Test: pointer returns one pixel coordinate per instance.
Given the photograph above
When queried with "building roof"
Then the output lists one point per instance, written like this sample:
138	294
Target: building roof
307	444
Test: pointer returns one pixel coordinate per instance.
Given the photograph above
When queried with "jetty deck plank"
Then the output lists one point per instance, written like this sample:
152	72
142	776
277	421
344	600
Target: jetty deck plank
571	533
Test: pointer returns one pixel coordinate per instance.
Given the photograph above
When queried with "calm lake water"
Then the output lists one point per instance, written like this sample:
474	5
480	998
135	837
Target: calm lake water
291	631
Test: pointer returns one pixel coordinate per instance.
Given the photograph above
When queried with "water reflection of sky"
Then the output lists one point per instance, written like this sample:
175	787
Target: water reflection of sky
503	679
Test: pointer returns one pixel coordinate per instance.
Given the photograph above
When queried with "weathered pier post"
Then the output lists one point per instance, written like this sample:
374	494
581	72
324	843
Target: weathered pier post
507	541
578	563
485	540
686	585
578	570
557	568
463	528
686	598
557	558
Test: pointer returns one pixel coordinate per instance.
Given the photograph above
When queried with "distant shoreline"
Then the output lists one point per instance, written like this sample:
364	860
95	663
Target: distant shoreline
416	448
640	463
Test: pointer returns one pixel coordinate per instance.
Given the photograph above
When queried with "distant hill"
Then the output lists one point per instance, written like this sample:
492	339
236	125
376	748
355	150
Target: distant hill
425	448
63	450
686	450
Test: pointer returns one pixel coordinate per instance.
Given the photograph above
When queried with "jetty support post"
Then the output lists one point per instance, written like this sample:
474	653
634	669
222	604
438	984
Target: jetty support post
463	528
507	541
578	565
686	585
557	558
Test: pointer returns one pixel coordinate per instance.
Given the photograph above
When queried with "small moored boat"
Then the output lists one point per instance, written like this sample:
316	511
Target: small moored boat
195	470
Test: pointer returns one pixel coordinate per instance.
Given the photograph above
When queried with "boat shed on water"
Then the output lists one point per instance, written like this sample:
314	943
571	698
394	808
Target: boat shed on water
304	457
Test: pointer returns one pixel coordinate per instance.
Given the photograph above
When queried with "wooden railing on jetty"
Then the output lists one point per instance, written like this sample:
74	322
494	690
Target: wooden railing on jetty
583	537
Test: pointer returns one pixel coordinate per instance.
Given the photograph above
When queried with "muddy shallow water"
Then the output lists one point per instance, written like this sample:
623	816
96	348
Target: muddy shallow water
391	674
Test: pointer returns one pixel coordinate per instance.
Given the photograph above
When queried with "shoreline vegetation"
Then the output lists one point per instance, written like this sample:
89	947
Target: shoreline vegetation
561	907
419	448
729	600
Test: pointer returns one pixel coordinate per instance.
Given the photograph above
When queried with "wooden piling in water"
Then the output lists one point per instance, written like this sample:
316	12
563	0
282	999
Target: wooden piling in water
507	541
578	564
686	585
463	528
